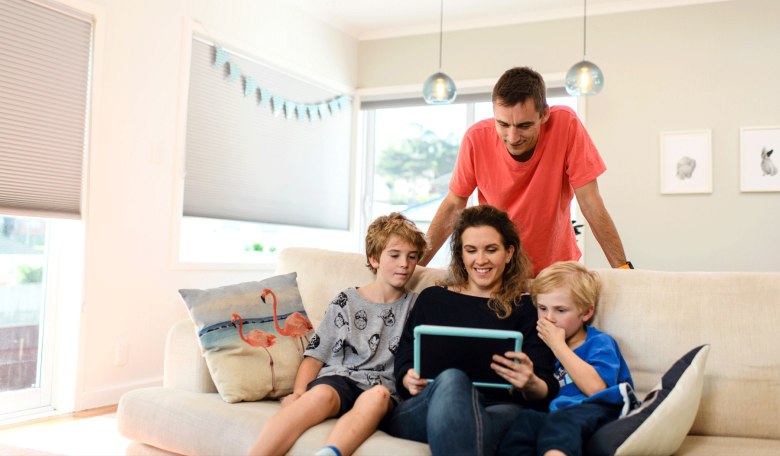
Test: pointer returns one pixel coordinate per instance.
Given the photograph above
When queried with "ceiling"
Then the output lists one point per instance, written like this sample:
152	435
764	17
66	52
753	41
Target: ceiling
376	19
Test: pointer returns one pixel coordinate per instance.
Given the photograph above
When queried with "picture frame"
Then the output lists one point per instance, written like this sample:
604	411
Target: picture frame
686	162
759	159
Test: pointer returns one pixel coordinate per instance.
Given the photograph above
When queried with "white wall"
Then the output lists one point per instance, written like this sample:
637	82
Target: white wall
710	66
131	291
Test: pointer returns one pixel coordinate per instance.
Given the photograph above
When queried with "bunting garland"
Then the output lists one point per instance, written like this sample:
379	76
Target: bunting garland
277	103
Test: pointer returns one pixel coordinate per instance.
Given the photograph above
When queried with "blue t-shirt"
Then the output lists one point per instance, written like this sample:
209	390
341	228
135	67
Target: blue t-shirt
602	352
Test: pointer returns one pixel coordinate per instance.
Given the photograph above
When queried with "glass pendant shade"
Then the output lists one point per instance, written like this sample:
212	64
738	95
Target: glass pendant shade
584	79
439	89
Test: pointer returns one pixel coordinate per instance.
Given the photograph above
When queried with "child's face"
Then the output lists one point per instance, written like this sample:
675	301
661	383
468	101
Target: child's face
396	263
558	308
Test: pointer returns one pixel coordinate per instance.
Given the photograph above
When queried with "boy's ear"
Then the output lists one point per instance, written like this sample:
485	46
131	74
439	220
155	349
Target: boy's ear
586	316
374	262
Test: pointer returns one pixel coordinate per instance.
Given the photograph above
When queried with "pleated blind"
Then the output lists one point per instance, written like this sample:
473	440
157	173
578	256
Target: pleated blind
244	163
466	98
45	62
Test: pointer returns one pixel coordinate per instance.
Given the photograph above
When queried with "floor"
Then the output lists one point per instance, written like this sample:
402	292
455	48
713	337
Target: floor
86	433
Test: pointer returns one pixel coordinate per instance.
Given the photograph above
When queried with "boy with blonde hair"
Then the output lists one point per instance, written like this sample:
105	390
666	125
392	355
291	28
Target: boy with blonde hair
347	371
596	386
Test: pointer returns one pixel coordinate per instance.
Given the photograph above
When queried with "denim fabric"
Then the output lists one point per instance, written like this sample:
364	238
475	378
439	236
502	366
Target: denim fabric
566	430
450	415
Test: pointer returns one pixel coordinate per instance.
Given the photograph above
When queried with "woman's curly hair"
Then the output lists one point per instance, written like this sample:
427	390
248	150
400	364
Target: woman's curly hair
517	274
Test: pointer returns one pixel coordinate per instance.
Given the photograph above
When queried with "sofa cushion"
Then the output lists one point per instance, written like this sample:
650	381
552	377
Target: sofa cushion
660	424
252	334
183	422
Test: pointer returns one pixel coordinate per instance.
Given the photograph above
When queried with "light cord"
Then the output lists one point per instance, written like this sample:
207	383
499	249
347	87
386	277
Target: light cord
584	30
441	29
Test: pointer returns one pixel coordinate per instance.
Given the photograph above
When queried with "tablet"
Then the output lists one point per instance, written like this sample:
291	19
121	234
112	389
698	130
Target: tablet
437	348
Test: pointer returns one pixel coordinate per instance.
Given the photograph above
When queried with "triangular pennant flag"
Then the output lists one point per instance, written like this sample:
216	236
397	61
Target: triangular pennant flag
221	57
250	87
289	108
313	110
343	102
265	97
334	106
278	105
323	107
235	71
301	110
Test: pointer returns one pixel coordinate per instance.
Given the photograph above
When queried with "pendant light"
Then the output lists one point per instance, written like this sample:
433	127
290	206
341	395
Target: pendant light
439	89
584	78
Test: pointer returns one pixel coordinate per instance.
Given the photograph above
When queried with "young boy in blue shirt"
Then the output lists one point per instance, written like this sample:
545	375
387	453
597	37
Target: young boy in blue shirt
347	371
596	386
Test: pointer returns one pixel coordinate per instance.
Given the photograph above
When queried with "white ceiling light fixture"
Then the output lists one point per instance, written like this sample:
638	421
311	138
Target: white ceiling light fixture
584	78
440	89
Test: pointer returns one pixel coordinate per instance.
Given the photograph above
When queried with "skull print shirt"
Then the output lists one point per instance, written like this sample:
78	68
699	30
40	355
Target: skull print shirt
359	338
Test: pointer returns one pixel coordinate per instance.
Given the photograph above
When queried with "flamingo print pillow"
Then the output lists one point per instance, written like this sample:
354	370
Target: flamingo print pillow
252	335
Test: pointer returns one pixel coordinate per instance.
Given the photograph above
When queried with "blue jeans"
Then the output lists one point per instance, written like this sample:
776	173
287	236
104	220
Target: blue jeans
450	416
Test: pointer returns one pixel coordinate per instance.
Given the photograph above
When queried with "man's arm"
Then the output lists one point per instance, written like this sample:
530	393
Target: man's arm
442	224
600	222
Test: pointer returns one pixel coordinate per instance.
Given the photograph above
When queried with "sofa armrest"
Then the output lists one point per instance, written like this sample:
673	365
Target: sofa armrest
185	367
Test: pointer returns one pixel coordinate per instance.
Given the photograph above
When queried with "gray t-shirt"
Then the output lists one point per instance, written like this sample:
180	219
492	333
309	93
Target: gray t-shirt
358	338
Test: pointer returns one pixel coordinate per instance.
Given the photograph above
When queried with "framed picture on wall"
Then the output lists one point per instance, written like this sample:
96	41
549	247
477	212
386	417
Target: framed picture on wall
686	162
759	159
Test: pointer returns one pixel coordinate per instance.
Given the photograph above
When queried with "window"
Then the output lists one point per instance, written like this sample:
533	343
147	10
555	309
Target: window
255	182
42	154
412	148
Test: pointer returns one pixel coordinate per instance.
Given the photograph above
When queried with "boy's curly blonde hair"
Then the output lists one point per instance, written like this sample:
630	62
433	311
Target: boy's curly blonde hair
584	285
385	226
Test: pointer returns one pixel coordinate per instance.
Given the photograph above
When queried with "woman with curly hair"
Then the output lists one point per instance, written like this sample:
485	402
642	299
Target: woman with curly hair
487	287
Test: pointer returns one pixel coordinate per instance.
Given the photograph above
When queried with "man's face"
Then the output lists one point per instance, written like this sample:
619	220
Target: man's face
518	126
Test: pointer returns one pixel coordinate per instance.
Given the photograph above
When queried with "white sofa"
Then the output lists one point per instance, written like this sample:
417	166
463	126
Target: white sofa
656	317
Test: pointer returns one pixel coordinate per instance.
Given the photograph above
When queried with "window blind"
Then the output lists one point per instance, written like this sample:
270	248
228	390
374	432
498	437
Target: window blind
466	98
244	163
45	63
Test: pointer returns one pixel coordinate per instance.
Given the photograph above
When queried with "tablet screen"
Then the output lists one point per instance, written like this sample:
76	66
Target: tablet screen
471	350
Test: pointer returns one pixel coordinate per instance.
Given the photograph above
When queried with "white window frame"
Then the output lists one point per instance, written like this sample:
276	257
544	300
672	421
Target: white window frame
65	289
366	139
190	25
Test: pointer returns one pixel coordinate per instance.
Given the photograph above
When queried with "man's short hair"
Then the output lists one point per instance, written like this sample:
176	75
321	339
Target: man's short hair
381	229
584	286
517	85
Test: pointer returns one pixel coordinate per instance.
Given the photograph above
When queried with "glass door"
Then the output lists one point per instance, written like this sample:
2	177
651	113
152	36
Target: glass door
26	318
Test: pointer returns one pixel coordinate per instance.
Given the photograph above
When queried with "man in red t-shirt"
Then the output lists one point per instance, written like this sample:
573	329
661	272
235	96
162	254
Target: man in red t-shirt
529	161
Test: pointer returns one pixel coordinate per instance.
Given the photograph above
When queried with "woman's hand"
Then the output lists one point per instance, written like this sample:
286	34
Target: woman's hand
553	336
517	373
413	383
289	399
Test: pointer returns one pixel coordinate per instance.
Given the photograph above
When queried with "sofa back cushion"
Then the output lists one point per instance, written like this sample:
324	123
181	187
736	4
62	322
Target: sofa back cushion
657	317
322	274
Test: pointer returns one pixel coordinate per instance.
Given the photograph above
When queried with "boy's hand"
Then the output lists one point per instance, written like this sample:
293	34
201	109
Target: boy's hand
518	374
550	334
289	399
413	383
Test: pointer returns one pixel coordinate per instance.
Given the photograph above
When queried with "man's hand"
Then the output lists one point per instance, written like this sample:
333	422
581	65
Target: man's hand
289	399
550	334
517	373
413	383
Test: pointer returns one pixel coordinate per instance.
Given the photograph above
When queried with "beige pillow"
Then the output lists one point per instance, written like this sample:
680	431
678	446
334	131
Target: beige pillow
252	335
660	424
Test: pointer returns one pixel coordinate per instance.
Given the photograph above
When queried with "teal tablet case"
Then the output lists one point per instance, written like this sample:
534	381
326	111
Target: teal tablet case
468	349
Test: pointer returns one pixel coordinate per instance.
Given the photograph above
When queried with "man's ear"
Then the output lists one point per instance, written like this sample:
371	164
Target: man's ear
586	316
545	114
